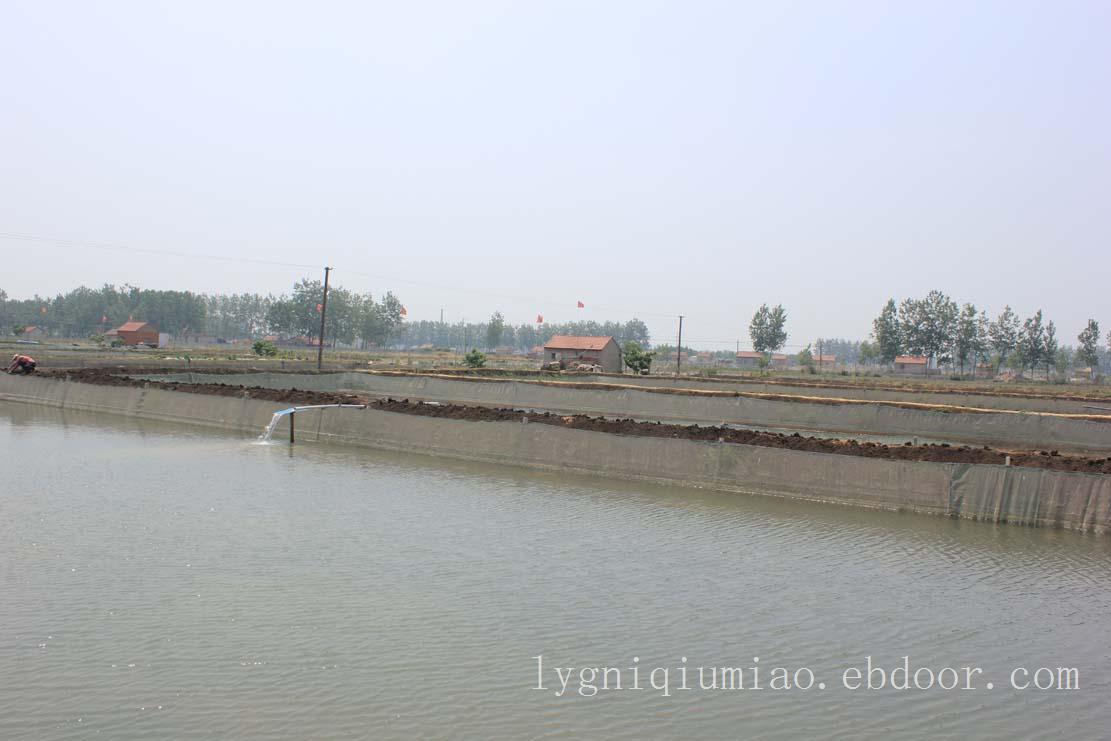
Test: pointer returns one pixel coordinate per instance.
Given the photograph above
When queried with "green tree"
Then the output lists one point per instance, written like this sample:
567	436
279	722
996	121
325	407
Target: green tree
1063	360
494	329
767	329
970	339
636	358
1088	352
637	331
887	332
928	325
869	352
806	358
265	348
475	358
1031	343
1003	334
1050	348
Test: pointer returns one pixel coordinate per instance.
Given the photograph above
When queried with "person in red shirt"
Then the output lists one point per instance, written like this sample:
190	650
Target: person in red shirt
22	364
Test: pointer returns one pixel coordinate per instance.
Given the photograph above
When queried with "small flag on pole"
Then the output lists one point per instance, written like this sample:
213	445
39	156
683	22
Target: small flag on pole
319	308
404	311
539	318
104	319
581	305
44	310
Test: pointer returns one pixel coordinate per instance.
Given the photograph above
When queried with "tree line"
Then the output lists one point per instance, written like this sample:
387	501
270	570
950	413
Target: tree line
937	328
352	319
496	332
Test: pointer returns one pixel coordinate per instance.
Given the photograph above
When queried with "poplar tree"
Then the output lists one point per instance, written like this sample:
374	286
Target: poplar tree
1031	344
886	332
1088	352
1004	335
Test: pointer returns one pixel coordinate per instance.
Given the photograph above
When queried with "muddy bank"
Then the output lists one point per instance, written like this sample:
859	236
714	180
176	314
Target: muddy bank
112	377
833	401
942	453
909	385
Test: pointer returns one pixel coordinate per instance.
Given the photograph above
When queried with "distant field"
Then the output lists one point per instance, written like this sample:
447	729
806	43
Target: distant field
82	353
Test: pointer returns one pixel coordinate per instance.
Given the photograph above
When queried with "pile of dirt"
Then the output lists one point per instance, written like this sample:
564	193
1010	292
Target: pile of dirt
941	453
114	377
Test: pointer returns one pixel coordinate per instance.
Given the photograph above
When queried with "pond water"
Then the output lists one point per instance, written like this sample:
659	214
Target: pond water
169	582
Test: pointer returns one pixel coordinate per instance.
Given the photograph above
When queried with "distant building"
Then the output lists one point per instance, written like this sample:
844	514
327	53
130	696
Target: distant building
908	364
135	333
1083	374
752	359
825	360
33	331
749	359
570	350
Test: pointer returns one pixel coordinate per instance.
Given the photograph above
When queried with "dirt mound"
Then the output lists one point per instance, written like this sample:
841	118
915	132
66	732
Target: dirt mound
942	453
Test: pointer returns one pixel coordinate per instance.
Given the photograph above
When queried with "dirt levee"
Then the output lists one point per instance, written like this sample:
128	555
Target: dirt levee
936	453
110	377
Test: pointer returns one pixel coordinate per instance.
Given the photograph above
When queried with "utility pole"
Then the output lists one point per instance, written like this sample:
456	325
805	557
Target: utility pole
819	356
679	350
323	312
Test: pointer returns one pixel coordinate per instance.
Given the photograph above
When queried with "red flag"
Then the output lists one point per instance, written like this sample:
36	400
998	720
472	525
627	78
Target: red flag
404	311
44	310
539	318
104	319
319	308
581	305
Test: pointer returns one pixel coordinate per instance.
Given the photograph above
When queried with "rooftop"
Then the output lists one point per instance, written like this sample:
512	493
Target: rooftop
573	342
133	326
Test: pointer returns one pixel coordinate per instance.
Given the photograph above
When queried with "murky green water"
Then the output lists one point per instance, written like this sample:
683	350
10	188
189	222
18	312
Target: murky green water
160	582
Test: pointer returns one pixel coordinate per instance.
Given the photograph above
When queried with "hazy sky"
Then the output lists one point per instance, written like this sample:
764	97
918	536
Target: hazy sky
649	159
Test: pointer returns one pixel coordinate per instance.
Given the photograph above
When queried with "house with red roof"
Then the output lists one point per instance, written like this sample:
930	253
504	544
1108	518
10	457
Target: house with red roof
912	364
570	350
135	333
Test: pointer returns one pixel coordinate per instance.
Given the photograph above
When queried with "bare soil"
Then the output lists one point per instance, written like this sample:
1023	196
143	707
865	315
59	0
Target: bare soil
942	453
112	377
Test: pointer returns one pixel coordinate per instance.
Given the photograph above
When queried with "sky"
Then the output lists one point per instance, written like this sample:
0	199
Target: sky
649	159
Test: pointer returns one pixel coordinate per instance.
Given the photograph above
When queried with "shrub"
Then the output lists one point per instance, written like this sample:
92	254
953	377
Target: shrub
475	359
265	348
637	359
